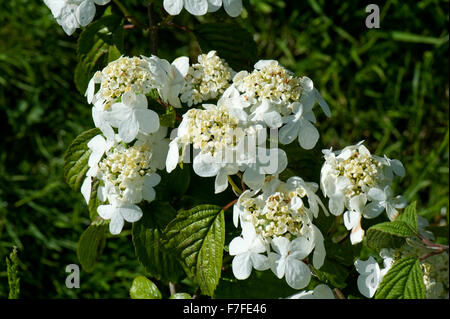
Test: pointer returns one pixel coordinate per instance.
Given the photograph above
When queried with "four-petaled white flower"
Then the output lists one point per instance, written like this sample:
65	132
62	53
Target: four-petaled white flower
169	77
201	7
132	116
71	14
383	199
371	274
287	260
248	251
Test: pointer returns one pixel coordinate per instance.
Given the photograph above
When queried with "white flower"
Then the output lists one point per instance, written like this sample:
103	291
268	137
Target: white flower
280	210
248	251
263	162
132	116
206	79
214	133
123	75
321	291
358	183
370	273
201	7
287	260
383	199
300	125
157	142
169	78
71	14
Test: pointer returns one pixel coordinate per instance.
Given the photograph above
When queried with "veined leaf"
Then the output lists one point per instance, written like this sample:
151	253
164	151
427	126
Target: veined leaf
144	288
91	244
76	159
403	281
396	228
158	261
198	235
409	216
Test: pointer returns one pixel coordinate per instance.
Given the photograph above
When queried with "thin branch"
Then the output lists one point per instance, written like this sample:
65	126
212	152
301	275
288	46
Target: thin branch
153	29
224	208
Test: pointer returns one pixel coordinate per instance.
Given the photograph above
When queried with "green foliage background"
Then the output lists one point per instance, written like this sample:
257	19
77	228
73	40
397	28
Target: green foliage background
388	86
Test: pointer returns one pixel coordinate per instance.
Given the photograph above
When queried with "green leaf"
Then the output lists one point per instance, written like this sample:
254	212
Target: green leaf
333	274
378	240
12	265
94	202
99	43
232	43
403	281
198	236
143	288
91	244
396	228
390	234
76	159
147	234
409	216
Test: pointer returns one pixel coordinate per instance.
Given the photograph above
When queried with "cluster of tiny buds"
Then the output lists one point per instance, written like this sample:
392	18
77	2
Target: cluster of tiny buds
206	79
123	166
271	82
277	217
362	170
211	130
123	75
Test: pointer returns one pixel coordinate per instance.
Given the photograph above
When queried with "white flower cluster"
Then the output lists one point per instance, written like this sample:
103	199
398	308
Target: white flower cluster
435	268
360	183
207	79
71	14
281	100
201	7
230	136
133	145
127	175
278	231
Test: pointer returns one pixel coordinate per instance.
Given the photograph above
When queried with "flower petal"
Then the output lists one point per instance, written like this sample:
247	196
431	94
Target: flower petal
196	7
131	213
173	7
288	132
85	12
298	274
148	120
205	165
116	224
373	210
308	135
129	128
232	7
242	266
106	211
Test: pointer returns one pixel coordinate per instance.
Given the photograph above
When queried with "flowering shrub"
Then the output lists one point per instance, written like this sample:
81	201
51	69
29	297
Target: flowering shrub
185	154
